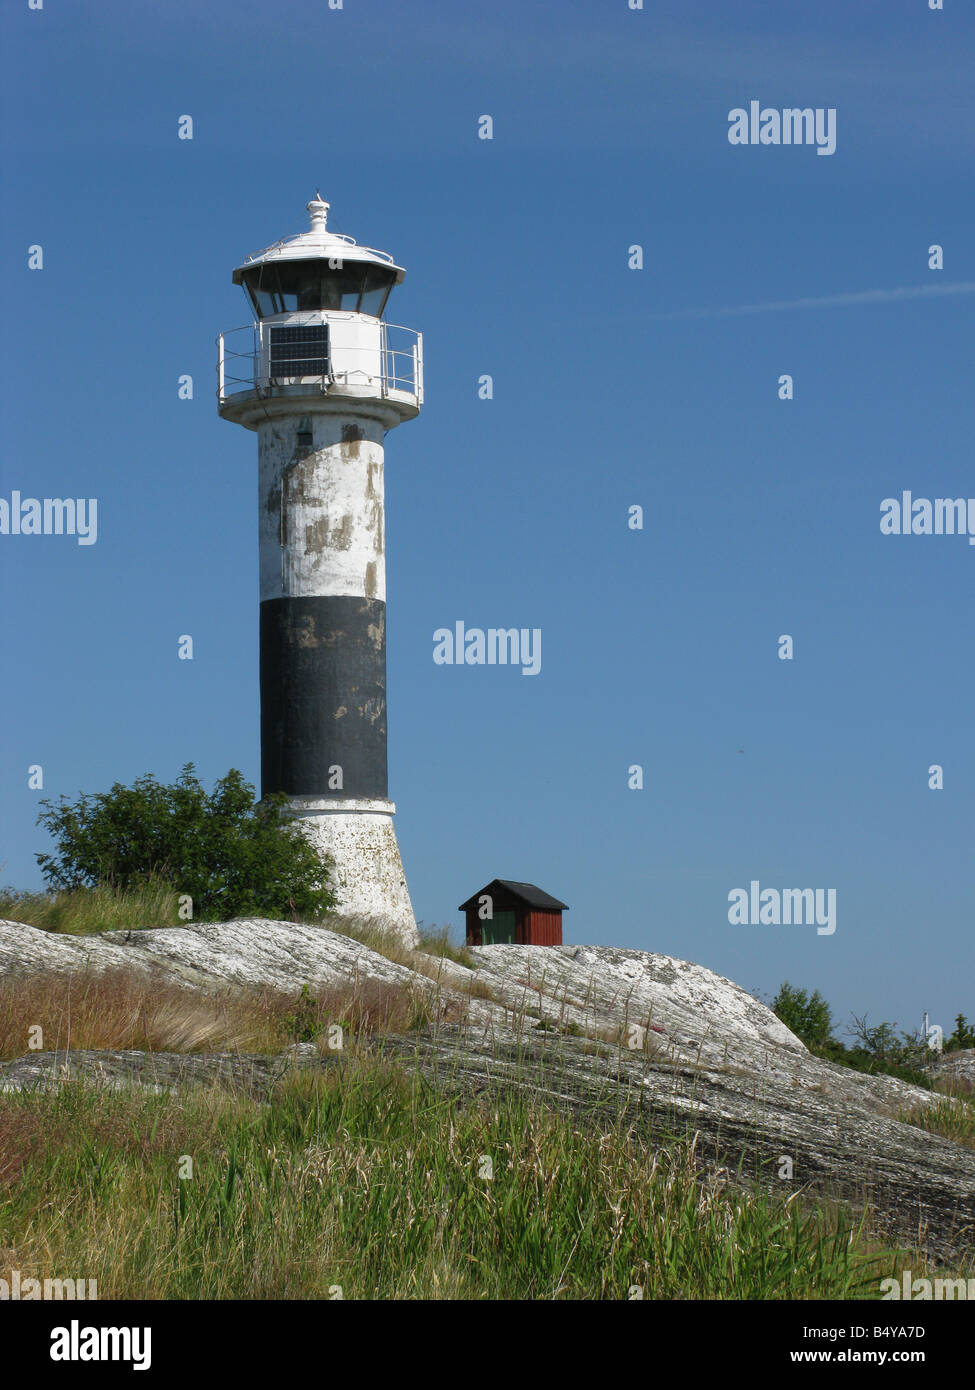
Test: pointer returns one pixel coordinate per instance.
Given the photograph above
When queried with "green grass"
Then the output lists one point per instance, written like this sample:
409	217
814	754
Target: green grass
83	911
367	1178
435	941
951	1118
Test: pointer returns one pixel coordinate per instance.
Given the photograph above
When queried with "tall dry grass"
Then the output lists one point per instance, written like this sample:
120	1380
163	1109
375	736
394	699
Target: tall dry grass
127	1009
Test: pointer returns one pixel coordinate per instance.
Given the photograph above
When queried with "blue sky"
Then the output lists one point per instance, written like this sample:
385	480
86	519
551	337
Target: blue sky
659	646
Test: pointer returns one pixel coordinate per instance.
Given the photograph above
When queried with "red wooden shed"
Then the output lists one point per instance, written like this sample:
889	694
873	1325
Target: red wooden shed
519	913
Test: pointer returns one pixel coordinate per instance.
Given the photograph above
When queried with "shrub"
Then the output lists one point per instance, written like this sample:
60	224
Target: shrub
807	1015
233	856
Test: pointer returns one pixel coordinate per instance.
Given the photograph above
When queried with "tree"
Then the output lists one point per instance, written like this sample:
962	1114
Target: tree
880	1042
234	856
807	1015
963	1036
880	1049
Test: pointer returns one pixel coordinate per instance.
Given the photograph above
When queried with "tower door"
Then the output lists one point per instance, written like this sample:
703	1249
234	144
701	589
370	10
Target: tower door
499	931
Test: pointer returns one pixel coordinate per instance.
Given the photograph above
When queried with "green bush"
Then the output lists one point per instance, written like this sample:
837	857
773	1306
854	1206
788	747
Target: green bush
807	1015
233	856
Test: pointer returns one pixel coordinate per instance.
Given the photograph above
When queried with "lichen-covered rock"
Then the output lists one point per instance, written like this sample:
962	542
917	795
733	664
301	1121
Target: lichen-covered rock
695	1010
246	951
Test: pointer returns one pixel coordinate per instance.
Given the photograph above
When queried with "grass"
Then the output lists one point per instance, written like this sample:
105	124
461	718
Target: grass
951	1118
367	1179
435	941
87	911
126	1009
83	911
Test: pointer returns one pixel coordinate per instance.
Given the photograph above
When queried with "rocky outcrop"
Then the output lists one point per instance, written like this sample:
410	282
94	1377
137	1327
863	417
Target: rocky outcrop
679	1048
206	955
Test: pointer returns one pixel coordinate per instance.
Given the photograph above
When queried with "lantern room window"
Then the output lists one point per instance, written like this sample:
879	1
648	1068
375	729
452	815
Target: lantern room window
286	287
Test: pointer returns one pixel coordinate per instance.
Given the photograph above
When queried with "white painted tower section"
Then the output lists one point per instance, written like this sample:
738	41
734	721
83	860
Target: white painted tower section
360	838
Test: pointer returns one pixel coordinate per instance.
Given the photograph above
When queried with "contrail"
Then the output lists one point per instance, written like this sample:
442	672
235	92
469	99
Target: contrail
828	301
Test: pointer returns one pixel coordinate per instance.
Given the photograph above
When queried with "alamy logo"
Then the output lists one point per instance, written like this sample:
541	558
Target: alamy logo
498	646
77	1343
19	1288
50	516
772	907
791	126
920	516
927	1289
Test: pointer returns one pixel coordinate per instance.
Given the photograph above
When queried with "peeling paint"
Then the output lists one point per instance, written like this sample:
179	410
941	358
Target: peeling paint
321	535
373	710
351	438
316	534
322	528
341	535
306	634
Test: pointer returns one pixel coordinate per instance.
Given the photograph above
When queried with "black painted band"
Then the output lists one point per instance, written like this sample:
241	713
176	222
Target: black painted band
323	696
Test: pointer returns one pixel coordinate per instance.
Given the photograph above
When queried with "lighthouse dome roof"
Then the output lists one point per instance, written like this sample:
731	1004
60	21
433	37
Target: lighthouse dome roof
318	243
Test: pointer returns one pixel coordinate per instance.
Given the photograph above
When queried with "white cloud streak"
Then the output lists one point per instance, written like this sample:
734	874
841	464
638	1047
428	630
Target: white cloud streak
829	301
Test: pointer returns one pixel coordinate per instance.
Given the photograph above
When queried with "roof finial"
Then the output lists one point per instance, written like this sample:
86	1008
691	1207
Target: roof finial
318	212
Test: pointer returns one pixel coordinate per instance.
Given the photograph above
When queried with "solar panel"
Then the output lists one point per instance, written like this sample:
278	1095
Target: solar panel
299	350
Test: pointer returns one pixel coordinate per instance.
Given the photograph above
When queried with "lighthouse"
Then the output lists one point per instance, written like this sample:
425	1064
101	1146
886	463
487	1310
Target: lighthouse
321	376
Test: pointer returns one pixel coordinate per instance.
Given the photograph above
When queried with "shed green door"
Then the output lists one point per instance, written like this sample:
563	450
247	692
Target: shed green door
499	930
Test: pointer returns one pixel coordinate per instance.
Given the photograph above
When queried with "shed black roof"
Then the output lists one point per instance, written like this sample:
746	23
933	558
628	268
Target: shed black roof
524	892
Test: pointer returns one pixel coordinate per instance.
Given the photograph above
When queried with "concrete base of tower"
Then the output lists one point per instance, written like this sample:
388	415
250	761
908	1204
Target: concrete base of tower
359	837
